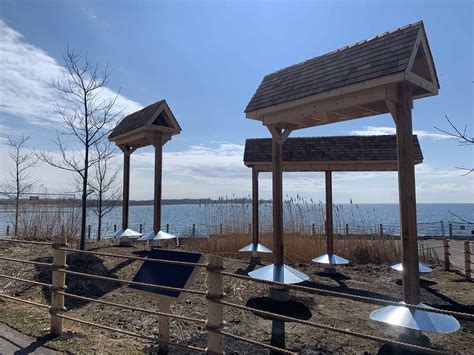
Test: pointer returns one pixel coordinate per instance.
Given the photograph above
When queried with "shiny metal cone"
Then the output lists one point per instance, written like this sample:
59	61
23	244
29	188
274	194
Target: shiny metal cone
129	233
422	320
158	236
279	273
422	268
334	260
259	248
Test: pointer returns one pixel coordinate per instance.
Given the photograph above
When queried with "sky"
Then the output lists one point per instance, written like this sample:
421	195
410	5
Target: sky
206	58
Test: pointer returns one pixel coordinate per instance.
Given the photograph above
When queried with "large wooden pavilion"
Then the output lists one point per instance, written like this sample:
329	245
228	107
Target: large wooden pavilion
321	154
153	125
384	74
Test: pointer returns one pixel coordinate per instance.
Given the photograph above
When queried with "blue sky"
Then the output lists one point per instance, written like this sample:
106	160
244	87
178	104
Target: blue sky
206	58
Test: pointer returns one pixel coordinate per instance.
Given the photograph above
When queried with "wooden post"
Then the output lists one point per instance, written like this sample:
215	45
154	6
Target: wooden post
450	231
158	143
381	229
255	221
313	229
215	318
164	326
442	229
8	230
277	192
89	231
329	224
347	228
141	228
115	227
58	284
220	229
446	253
167	227
467	260
407	194
126	186
194	230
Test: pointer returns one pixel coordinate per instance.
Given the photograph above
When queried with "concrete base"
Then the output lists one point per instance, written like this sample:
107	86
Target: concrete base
278	326
255	260
414	337
330	269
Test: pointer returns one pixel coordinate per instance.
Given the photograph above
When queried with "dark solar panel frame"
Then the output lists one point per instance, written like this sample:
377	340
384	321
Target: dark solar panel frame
180	276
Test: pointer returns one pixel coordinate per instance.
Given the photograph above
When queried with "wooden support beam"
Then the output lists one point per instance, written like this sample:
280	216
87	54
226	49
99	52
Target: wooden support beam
158	182
255	220
164	325
329	222
127	151
407	194
277	192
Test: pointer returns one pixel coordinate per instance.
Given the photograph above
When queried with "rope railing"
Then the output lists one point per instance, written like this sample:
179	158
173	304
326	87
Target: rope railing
125	332
327	327
25	280
349	296
130	282
11	240
16	299
169	315
161	261
25	261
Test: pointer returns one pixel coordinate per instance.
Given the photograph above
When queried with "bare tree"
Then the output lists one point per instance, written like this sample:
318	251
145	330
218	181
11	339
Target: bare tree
105	191
19	180
87	114
462	137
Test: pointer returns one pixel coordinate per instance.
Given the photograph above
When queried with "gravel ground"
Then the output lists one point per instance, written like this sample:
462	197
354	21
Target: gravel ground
441	289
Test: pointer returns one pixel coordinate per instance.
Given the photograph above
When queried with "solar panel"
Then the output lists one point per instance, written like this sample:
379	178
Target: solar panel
181	276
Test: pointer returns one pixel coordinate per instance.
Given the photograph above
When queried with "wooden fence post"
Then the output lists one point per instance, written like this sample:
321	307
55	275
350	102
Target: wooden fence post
250	229
467	260
450	231
115	227
347	228
215	318
141	228
8	230
313	229
220	229
89	231
167	227
443	234
381	229
446	253
164	325
194	230
58	284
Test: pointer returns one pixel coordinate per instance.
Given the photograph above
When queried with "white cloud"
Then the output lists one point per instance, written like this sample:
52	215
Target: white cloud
26	75
379	131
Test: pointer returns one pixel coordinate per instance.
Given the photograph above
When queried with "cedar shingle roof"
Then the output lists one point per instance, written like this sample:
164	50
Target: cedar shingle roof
138	119
327	149
383	55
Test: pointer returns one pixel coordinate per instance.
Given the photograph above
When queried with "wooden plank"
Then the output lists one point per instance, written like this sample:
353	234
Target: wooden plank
319	110
407	195
329	222
277	193
255	221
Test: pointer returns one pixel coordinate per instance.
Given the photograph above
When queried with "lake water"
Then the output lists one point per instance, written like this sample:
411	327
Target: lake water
207	218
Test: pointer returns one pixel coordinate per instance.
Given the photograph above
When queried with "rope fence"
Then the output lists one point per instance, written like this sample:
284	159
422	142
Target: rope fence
215	296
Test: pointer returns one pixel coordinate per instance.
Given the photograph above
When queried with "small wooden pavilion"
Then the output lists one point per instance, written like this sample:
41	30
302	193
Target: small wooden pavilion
153	125
384	74
322	154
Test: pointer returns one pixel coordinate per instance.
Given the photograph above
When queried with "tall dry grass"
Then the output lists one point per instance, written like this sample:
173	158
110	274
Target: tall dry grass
301	248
